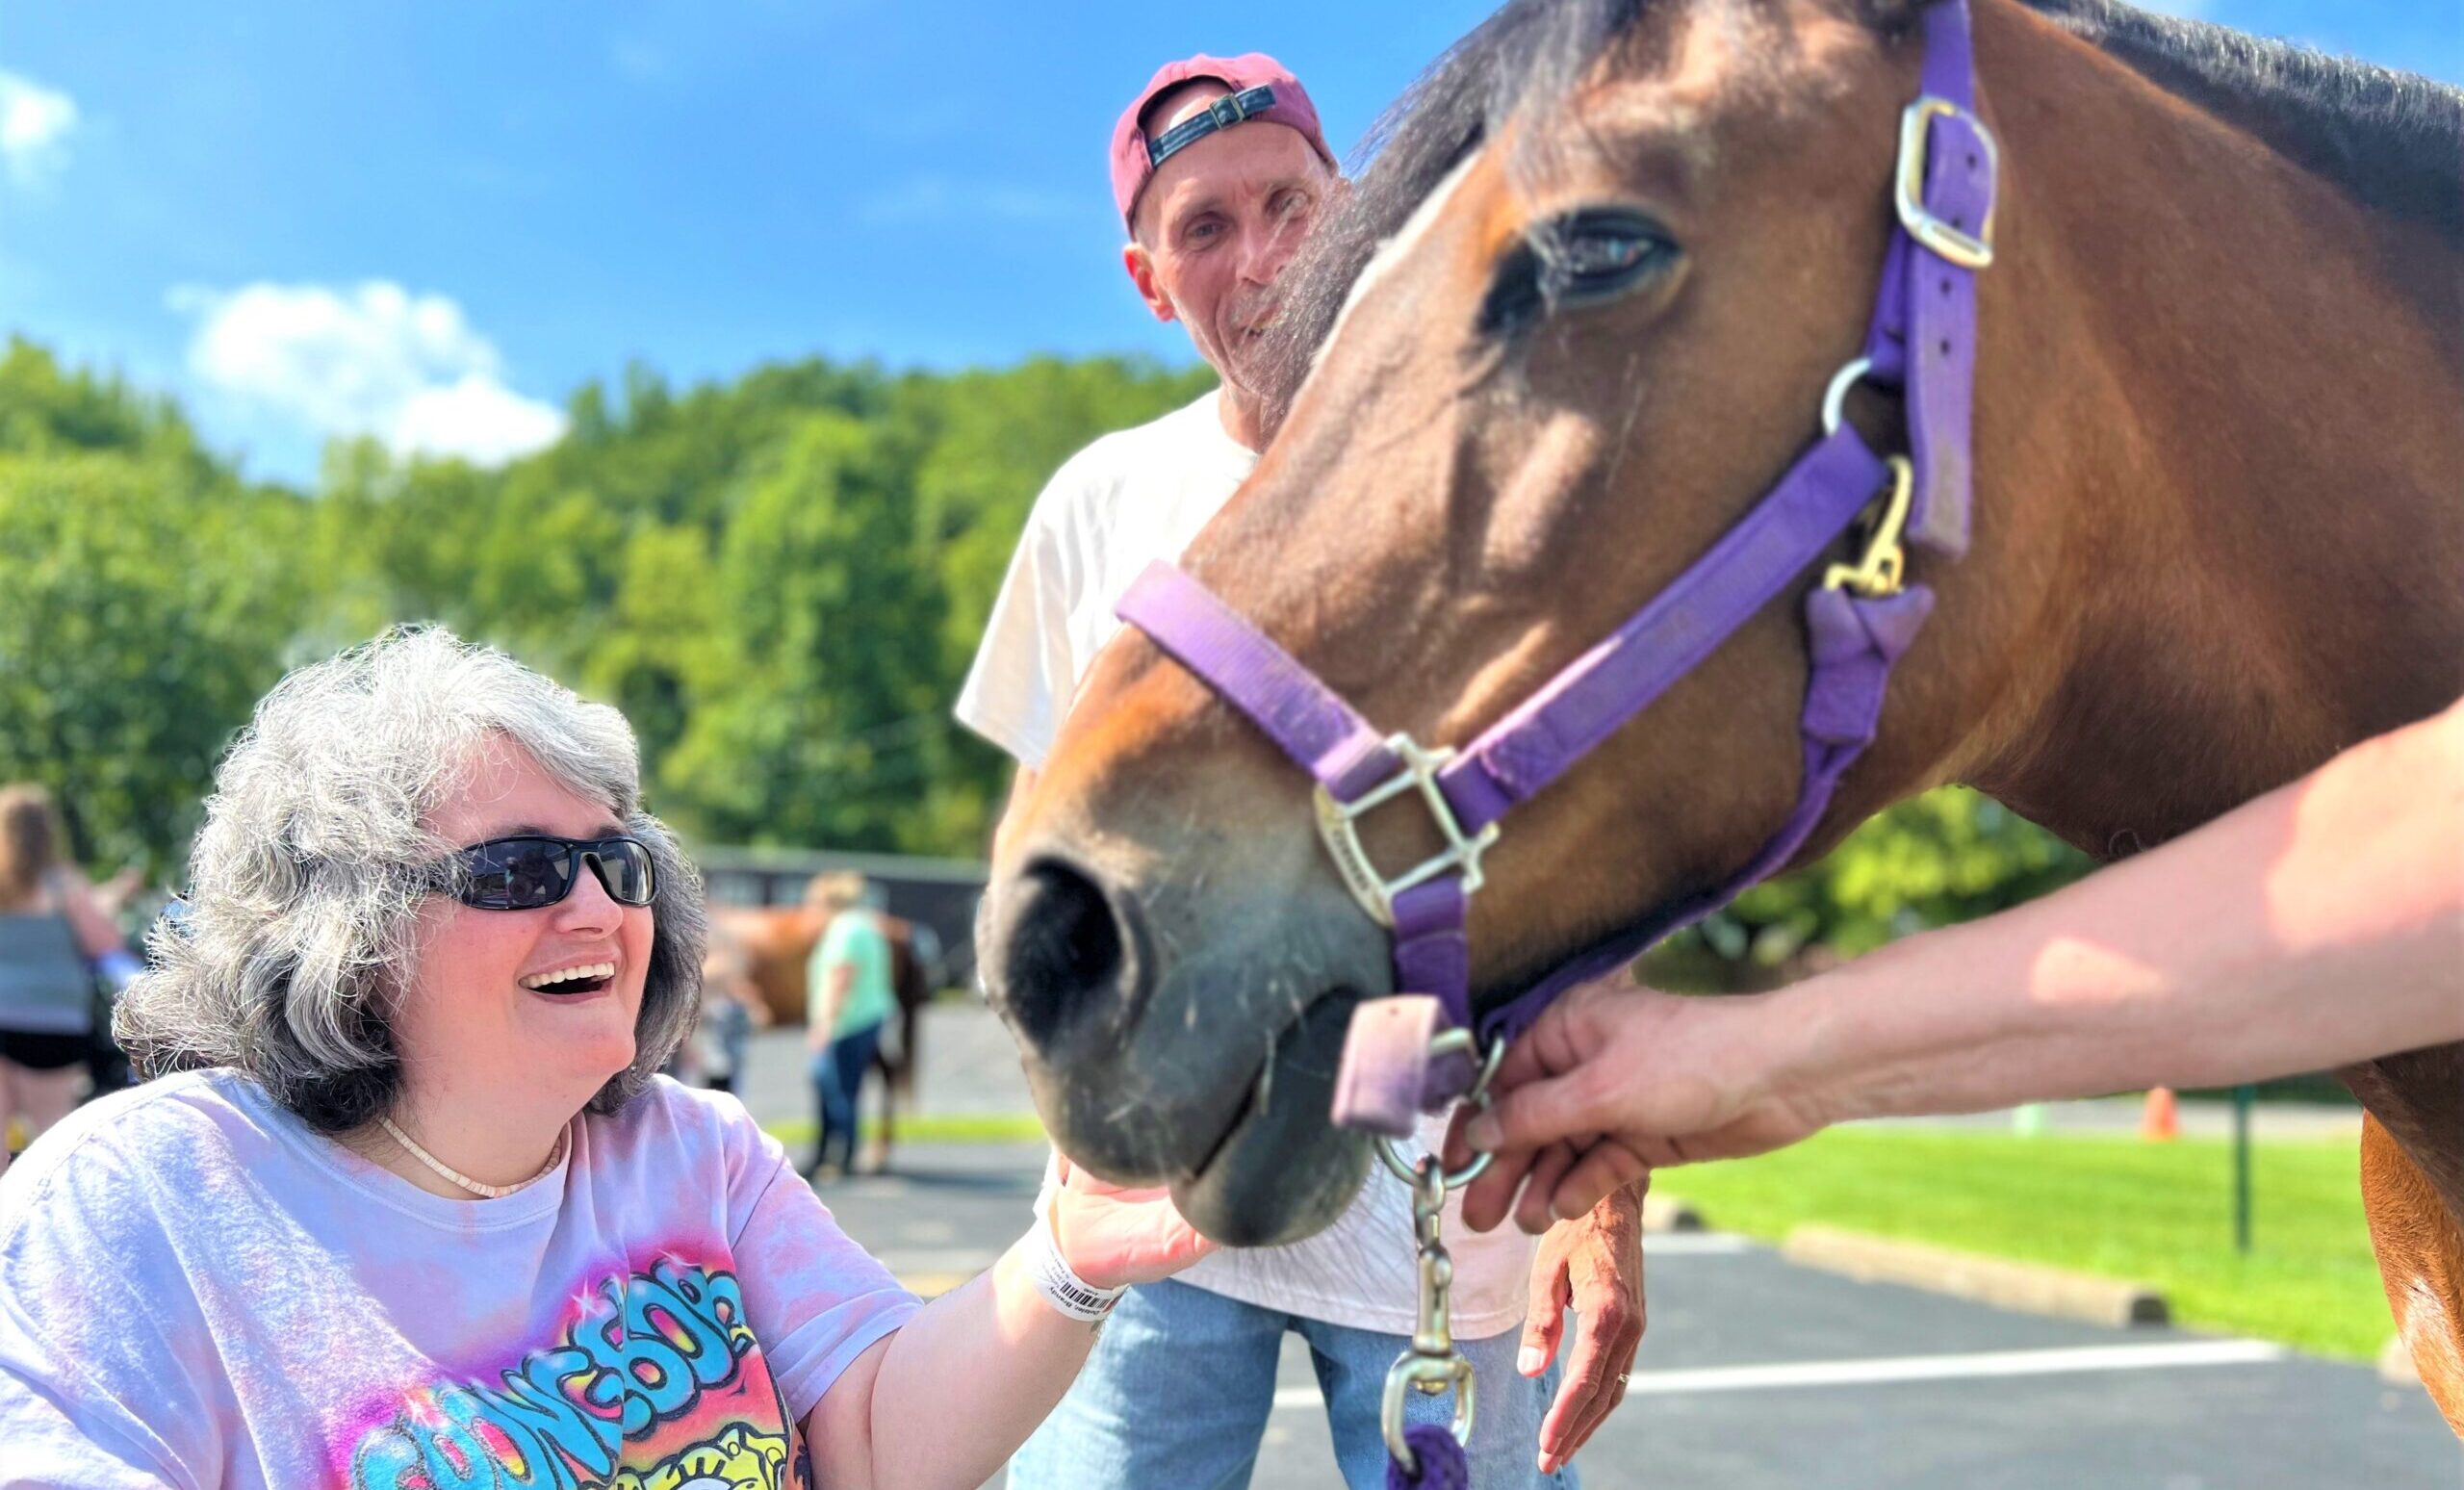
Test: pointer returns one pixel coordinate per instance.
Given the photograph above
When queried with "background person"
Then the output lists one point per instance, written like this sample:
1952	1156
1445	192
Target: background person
2318	926
851	1000
731	1009
1214	211
56	939
406	1203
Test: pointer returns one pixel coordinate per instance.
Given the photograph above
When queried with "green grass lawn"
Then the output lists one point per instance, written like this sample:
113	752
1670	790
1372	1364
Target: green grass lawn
2160	1214
929	1128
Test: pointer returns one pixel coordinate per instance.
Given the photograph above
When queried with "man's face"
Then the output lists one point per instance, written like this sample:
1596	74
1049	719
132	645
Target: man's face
1218	223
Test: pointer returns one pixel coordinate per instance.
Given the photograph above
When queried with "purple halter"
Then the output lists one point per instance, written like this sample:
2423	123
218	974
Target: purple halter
1860	619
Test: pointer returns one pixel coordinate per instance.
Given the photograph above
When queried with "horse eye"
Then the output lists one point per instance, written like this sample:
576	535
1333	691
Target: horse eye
1600	253
1596	256
1591	255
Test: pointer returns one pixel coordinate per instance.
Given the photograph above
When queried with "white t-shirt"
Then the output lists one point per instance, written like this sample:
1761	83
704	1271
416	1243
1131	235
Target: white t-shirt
198	1289
1128	499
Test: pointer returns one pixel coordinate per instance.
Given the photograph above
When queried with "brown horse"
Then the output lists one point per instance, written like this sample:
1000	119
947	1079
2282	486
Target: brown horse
778	942
2218	535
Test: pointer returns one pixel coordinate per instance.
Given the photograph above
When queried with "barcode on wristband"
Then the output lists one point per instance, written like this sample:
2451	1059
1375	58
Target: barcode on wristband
1068	1293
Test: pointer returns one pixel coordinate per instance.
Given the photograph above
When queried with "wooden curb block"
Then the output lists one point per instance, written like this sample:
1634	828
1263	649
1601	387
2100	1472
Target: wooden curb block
2026	1287
1668	1213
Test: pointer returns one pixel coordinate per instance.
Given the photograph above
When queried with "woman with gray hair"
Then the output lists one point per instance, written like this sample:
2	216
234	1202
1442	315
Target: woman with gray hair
407	1204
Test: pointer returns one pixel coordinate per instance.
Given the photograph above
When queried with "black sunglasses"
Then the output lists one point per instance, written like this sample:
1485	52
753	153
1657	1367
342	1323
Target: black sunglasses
532	871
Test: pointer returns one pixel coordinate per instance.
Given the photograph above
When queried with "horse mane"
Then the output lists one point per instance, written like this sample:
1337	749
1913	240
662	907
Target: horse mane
1530	51
2393	141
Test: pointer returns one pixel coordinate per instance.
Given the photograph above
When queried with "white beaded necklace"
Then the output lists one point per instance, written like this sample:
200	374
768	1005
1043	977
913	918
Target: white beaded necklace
555	1155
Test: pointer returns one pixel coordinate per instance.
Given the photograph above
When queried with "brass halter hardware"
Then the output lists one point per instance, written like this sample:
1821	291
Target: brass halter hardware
1884	566
1431	1365
1373	890
1967	250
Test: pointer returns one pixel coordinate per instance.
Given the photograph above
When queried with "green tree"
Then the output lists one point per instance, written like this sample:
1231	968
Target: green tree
780	578
1951	855
140	622
45	409
817	725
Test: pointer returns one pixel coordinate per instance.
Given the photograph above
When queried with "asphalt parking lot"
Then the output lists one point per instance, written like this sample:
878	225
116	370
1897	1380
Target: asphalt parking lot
1757	1375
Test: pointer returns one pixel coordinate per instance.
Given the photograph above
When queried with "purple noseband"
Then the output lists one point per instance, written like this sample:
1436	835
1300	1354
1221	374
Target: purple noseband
1858	619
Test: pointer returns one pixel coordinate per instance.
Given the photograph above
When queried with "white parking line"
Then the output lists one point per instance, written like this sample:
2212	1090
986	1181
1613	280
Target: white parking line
1967	1366
1970	1366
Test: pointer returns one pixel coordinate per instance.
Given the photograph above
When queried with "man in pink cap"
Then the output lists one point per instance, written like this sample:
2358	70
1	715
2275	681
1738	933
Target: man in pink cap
1218	167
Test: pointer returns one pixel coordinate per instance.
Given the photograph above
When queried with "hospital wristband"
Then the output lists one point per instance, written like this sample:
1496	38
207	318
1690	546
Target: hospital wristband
1059	1282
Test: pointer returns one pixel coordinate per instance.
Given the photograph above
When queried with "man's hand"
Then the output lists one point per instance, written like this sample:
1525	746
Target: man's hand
1594	1262
1613	1081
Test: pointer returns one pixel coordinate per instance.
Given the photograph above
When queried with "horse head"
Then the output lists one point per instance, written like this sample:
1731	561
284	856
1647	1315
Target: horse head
1577	319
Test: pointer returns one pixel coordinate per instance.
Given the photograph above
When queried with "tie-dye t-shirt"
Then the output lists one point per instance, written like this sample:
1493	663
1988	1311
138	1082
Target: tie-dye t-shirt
196	1289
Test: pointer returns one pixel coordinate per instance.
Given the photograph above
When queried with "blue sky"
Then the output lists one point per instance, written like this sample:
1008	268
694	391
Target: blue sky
431	220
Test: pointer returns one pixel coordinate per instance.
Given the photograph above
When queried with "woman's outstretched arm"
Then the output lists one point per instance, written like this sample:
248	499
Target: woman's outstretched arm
945	1401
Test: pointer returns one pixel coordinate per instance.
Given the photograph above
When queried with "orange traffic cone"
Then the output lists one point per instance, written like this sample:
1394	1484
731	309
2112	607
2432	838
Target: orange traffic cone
2158	1121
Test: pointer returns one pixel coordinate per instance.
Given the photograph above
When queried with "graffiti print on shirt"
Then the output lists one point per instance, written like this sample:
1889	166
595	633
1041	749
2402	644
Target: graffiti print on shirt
655	1384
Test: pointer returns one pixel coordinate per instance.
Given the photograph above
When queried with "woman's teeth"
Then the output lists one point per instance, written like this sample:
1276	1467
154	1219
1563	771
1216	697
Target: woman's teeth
541	982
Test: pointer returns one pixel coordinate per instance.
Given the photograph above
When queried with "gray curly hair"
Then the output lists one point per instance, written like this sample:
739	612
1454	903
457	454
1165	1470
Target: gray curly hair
307	878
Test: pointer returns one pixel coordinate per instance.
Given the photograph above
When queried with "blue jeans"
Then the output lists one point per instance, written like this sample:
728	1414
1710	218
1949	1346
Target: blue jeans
838	1077
1179	1387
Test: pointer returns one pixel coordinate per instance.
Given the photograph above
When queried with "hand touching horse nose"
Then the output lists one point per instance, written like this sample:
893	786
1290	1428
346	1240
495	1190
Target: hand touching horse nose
1114	1235
1614	1081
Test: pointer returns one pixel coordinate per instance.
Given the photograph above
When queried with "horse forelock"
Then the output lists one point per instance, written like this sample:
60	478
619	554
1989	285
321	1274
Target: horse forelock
1393	252
1530	56
1529	52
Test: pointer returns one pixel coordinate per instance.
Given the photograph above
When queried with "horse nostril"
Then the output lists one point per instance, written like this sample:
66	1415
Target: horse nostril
1065	965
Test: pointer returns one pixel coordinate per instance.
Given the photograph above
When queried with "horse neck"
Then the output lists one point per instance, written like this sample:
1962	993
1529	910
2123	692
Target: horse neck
2216	406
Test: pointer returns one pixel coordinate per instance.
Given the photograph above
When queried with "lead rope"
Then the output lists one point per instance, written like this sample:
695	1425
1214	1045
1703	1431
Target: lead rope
1429	1455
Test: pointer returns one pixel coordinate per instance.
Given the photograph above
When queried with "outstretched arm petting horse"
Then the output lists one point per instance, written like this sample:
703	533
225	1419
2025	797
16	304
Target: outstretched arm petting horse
2231	955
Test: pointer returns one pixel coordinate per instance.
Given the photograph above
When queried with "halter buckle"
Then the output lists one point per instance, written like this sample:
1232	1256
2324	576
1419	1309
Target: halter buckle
1880	572
1374	890
1967	250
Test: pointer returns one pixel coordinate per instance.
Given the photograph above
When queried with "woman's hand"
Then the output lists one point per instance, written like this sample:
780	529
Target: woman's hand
1614	1081
1113	1236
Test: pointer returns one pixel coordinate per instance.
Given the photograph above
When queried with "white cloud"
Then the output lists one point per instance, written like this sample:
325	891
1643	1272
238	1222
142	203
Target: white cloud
373	359
478	418
35	124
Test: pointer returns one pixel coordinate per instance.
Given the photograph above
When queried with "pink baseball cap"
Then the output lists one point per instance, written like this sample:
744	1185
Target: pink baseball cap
1260	89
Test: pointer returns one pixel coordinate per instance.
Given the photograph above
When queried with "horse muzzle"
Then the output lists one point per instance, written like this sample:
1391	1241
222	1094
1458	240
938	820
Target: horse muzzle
1212	1072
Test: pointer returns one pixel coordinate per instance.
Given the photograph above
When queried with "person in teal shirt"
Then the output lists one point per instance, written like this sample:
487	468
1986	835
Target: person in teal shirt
848	1001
